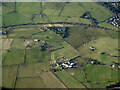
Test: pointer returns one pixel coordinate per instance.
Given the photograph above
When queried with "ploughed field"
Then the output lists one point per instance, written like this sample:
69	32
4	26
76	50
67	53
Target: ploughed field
30	53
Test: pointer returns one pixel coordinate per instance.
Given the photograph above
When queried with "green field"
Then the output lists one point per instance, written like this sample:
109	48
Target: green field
23	33
102	44
107	25
30	83
97	11
14	57
17	44
100	73
32	70
68	80
37	56
68	52
9	76
79	35
51	81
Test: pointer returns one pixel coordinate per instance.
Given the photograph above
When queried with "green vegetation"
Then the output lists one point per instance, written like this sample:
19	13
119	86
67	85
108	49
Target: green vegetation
51	81
107	25
102	44
68	80
79	35
37	56
97	11
17	44
22	33
9	76
30	83
100	73
14	57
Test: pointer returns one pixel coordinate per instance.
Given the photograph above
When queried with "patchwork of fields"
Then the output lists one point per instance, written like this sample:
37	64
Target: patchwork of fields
32	52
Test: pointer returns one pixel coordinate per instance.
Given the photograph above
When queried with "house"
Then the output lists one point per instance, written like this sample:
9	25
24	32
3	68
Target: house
36	40
92	48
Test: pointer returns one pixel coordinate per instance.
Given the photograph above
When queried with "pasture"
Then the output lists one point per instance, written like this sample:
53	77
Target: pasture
14	57
34	82
68	52
79	35
107	25
22	33
104	74
102	44
32	70
97	11
37	56
17	44
9	76
51	81
68	80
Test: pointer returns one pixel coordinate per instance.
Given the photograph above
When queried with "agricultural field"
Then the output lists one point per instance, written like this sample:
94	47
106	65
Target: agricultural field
79	35
68	80
59	45
102	45
104	74
51	80
30	83
9	76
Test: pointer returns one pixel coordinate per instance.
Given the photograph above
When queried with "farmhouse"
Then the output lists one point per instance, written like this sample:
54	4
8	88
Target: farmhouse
36	40
92	48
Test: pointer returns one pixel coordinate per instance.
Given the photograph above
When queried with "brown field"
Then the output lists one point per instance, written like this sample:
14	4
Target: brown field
6	43
51	81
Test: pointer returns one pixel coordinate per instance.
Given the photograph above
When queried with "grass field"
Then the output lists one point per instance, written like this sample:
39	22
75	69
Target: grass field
14	57
51	81
78	35
30	83
4	52
107	25
104	73
72	10
21	33
97	11
42	36
17	44
9	76
32	70
37	56
6	43
68	52
52	8
102	45
68	80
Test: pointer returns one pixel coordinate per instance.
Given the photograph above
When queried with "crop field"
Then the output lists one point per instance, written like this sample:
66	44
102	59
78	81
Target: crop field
9	76
6	43
51	81
78	35
14	57
35	82
37	56
101	45
68	80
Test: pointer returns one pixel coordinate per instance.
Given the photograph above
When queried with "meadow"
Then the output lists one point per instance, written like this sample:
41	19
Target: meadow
68	80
